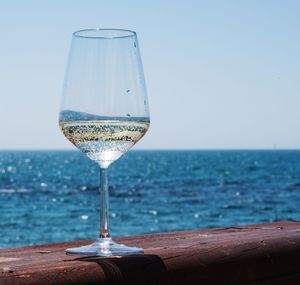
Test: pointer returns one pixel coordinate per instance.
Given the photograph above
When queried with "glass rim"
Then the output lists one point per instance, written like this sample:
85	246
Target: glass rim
127	33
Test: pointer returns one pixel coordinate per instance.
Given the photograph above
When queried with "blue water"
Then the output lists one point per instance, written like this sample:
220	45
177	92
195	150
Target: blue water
53	196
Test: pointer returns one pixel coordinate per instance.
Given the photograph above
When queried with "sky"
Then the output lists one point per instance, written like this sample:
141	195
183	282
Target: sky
219	74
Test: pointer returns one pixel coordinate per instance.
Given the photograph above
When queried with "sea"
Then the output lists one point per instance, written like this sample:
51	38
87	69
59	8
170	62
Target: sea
52	196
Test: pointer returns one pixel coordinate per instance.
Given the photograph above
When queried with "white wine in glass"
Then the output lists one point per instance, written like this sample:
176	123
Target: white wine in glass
104	111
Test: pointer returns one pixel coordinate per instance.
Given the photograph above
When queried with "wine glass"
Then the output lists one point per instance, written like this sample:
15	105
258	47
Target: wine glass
104	111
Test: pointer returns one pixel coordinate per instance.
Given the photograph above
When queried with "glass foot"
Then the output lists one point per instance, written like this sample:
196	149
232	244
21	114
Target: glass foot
104	247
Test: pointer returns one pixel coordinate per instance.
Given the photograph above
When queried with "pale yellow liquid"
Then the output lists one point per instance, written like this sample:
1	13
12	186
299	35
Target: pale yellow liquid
104	141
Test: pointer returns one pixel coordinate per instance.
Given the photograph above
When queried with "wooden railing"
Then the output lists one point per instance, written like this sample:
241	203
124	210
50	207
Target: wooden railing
256	254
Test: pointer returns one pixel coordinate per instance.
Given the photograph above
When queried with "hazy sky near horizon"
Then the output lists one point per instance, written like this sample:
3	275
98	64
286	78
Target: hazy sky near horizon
219	74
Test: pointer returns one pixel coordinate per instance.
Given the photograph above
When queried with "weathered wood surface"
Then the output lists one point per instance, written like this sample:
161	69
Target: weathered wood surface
257	254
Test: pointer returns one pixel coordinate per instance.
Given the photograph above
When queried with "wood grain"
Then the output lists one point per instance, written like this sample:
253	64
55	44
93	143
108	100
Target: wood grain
256	254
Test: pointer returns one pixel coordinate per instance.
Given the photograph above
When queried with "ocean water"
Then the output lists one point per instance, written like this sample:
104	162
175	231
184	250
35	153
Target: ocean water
52	196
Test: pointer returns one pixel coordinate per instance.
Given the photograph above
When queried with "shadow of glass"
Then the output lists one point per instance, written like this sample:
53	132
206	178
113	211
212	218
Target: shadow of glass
133	269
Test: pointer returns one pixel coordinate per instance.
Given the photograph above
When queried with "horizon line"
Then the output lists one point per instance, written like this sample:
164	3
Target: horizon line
166	149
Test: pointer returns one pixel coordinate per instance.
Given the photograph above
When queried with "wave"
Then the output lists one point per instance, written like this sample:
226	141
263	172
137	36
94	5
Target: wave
22	190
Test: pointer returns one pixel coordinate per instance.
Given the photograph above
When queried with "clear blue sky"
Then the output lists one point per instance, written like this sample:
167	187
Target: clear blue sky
220	74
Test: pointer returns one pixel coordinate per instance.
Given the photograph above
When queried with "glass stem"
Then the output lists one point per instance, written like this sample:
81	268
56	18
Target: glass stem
104	229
